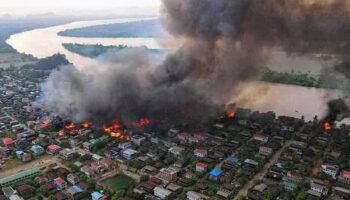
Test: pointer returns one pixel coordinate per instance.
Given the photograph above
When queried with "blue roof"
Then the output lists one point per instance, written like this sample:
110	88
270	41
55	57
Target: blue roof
78	189
233	159
215	172
19	152
96	195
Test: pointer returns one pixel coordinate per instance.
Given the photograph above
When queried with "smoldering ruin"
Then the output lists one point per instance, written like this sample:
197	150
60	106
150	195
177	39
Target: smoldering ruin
224	43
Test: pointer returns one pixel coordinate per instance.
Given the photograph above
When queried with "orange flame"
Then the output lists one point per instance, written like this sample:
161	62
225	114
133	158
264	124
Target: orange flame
231	113
70	126
327	126
142	122
47	123
61	133
115	127
86	124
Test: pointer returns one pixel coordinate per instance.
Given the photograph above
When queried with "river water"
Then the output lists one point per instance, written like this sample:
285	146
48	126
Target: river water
283	99
45	42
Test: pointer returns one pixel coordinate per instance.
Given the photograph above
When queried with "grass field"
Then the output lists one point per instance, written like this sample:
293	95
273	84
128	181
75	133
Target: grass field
118	182
12	163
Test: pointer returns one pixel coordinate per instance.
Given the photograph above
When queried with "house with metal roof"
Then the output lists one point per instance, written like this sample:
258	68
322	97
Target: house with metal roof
19	177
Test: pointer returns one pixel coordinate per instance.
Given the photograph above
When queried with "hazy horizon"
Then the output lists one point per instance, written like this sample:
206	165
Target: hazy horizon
101	8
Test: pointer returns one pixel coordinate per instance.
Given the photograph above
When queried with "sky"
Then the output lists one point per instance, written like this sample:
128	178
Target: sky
76	7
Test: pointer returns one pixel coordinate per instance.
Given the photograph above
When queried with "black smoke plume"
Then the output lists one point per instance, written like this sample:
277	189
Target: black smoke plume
225	42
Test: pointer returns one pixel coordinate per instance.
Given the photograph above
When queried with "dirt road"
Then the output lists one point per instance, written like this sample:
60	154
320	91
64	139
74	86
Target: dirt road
262	173
38	163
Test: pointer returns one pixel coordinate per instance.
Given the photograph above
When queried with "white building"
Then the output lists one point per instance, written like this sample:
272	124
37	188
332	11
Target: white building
191	195
129	154
137	139
331	170
161	192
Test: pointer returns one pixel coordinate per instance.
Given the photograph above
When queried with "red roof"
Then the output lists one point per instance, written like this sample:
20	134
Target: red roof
190	174
54	147
201	151
183	135
7	141
156	180
49	186
202	165
60	181
107	161
265	148
94	165
200	135
346	173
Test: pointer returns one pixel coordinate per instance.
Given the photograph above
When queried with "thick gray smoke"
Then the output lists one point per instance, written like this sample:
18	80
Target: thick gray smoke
226	41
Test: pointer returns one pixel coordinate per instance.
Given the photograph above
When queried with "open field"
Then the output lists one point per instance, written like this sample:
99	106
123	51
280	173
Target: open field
117	182
14	166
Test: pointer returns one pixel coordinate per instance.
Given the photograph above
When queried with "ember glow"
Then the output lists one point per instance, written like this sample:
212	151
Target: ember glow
231	113
47	123
143	122
86	124
61	133
70	126
327	126
115	130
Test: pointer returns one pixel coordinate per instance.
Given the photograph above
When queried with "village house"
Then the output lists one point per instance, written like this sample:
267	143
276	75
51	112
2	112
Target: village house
53	149
168	174
60	183
344	177
67	154
98	168
124	145
150	170
108	163
330	170
73	191
162	193
191	195
176	150
341	192
37	150
183	136
87	146
265	151
215	174
98	196
201	153
72	179
129	154
26	157
200	136
318	188
261	137
189	174
137	139
257	192
87	171
8	142
201	167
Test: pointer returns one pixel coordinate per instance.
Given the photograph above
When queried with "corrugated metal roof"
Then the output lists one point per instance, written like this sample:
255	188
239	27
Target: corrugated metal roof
19	175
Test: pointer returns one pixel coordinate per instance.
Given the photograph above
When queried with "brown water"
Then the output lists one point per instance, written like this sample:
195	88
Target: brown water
283	99
45	42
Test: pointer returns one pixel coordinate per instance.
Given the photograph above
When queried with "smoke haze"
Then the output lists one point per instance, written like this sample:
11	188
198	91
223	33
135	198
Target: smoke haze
226	43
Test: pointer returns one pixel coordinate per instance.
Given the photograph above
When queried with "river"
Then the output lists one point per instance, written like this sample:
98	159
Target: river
283	99
45	42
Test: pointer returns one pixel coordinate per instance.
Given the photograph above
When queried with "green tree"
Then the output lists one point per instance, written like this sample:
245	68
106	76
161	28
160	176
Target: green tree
144	178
